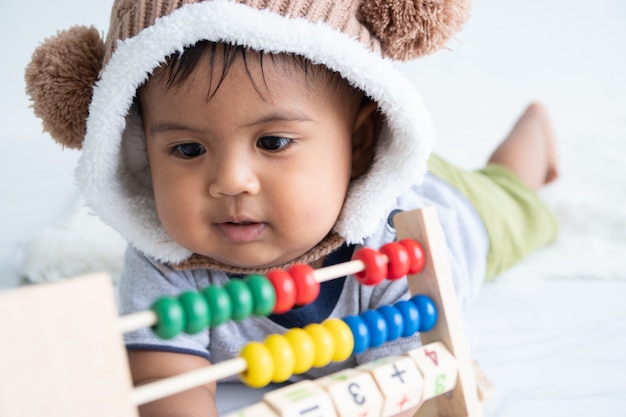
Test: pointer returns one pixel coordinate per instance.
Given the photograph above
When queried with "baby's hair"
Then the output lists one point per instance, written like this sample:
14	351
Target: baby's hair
180	66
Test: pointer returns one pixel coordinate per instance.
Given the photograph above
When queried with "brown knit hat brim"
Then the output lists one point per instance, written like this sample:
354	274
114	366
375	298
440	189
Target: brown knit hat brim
130	16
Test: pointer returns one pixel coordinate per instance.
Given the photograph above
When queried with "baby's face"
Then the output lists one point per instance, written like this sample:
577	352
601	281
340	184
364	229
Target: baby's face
247	180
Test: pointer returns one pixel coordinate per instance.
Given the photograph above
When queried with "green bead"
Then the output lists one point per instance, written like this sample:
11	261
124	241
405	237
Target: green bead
196	310
263	294
241	298
170	317
220	306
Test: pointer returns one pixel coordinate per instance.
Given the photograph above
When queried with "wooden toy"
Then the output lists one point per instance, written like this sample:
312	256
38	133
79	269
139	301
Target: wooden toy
354	393
62	354
302	399
255	410
438	368
400	382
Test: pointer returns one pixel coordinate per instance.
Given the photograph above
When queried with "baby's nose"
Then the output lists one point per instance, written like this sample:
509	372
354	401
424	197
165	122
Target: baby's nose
234	176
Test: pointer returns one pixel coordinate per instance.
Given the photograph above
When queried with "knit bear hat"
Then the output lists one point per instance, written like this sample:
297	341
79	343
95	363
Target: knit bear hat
83	88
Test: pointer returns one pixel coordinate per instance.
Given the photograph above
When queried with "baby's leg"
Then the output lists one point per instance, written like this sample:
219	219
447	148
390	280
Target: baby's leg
530	150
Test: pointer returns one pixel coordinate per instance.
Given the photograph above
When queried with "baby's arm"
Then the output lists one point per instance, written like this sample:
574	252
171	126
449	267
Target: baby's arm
147	366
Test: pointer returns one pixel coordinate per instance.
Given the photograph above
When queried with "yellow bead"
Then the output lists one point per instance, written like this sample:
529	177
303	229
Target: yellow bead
324	344
283	355
260	368
342	335
303	349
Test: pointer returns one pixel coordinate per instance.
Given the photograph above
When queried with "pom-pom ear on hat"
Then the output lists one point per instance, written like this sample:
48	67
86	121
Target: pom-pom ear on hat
60	80
409	29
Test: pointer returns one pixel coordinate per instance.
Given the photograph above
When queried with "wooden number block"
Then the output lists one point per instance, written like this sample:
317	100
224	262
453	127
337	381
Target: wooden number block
255	410
438	367
302	399
399	381
354	393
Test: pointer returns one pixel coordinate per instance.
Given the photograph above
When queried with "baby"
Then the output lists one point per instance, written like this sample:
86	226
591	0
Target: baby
223	138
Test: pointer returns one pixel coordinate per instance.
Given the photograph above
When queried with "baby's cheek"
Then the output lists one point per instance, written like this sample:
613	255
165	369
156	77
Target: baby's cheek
323	211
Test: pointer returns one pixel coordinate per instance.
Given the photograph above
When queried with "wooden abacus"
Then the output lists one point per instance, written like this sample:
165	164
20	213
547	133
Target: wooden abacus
62	354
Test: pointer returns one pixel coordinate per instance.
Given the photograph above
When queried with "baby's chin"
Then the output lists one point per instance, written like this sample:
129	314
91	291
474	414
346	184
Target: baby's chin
256	262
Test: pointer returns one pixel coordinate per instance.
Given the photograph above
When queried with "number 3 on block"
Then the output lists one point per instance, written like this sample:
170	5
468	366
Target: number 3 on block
354	393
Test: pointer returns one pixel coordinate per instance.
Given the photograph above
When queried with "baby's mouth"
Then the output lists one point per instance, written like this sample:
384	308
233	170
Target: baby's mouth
241	231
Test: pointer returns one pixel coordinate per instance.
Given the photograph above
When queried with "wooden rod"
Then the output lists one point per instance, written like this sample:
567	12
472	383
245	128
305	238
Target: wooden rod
136	321
339	270
175	384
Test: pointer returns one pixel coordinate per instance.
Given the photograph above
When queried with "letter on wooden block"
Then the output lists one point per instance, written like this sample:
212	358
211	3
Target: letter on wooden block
354	393
399	381
438	367
302	399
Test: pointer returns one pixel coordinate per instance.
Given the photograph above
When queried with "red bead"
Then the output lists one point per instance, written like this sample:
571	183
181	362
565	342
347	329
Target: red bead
398	262
375	266
307	287
285	288
416	255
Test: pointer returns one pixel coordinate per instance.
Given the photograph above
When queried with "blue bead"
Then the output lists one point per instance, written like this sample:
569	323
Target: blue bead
359	332
411	317
377	327
428	312
394	320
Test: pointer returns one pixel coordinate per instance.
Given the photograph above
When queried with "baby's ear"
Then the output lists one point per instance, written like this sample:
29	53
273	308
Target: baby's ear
60	79
364	135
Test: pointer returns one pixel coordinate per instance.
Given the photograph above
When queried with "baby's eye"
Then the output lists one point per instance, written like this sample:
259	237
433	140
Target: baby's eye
188	150
273	143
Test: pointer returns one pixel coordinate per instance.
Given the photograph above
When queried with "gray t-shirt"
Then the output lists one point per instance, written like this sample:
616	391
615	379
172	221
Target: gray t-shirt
144	280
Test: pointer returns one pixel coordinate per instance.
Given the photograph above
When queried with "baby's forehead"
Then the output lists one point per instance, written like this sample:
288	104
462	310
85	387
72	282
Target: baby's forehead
261	68
315	76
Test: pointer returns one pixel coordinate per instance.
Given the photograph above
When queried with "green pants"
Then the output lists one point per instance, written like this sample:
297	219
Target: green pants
516	220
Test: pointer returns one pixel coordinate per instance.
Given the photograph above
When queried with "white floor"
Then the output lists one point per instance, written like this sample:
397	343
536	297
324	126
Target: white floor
550	333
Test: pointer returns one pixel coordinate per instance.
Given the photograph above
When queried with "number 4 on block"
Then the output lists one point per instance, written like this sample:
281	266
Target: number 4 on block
438	367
